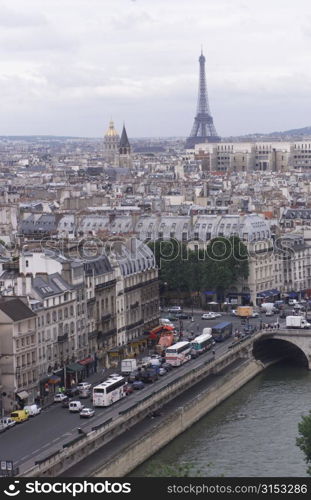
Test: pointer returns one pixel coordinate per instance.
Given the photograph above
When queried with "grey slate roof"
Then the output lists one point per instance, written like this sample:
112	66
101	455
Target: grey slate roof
49	285
16	309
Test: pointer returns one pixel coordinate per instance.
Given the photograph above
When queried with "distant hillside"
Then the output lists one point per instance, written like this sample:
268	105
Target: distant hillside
293	134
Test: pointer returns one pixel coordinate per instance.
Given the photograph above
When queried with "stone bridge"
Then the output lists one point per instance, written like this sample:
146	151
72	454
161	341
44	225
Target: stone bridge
283	343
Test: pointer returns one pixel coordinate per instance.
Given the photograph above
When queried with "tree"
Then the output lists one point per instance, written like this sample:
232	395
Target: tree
221	265
304	441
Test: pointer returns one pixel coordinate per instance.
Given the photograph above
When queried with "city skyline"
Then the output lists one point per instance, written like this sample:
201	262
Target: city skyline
68	71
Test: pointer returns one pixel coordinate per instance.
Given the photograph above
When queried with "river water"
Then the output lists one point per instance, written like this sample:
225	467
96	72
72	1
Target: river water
252	434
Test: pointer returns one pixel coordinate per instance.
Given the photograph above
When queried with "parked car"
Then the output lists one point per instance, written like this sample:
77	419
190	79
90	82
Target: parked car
3	427
87	412
19	416
254	315
84	386
73	391
75	406
138	385
32	410
59	397
7	422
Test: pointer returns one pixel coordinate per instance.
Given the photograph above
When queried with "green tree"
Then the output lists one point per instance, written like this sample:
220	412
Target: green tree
304	440
224	262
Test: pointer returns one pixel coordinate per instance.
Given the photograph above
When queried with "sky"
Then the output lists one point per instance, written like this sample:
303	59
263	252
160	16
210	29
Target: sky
68	66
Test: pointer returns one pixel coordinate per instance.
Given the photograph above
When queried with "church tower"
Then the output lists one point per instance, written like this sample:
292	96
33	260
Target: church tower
111	144
124	150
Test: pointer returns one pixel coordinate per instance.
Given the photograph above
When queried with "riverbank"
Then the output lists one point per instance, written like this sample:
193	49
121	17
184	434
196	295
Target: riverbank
139	446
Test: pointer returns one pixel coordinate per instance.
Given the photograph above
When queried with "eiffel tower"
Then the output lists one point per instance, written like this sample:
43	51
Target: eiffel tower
203	129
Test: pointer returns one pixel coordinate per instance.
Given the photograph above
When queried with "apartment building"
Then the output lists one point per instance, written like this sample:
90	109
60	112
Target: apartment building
18	353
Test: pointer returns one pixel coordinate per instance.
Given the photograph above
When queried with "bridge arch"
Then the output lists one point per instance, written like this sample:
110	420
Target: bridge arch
283	345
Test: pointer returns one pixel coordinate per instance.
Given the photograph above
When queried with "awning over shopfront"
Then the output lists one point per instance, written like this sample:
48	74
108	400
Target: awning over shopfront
22	394
138	340
293	295
74	367
54	379
209	292
116	351
86	361
268	293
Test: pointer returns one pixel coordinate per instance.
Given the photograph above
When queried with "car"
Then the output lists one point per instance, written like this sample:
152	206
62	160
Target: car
299	306
234	313
75	406
73	391
183	315
194	354
128	389
59	397
168	367
138	385
84	386
174	309
254	315
7	422
162	371
150	375
270	313
87	412
32	410
291	302
65	402
134	375
84	393
210	315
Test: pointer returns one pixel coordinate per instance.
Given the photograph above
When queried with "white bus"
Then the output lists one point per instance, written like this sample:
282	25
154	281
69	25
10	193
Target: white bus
109	391
179	353
203	342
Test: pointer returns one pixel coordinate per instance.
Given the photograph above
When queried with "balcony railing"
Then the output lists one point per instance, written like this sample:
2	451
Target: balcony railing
62	338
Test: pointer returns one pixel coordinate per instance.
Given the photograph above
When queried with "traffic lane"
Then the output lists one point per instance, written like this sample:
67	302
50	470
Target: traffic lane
56	425
198	324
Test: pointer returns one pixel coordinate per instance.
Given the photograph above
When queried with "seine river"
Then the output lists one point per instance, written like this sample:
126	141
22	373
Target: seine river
253	433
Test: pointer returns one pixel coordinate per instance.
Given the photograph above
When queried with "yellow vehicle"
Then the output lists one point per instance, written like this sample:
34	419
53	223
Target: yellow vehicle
19	415
244	311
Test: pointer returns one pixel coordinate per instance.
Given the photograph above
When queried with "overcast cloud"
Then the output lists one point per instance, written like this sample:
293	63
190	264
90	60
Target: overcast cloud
67	66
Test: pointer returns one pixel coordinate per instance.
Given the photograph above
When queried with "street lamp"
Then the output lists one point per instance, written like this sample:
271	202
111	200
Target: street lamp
192	320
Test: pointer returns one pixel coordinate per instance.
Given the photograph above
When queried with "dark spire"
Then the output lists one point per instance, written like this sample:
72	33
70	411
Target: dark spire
124	142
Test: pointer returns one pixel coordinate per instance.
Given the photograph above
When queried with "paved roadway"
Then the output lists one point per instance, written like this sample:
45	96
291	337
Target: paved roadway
42	435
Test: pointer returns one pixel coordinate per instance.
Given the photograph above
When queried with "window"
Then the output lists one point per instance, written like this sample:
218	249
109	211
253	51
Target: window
27	263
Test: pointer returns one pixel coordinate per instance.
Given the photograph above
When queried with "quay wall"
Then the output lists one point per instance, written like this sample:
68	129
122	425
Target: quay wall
178	421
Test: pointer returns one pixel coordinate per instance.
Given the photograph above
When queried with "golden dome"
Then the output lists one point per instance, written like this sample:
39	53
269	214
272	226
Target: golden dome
111	132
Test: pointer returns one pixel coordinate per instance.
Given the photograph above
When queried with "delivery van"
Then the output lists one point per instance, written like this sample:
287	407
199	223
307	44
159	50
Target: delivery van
19	416
32	410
